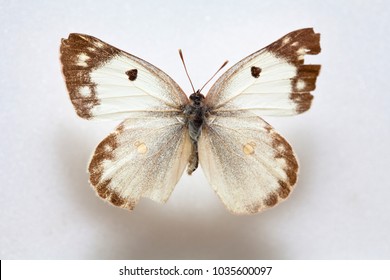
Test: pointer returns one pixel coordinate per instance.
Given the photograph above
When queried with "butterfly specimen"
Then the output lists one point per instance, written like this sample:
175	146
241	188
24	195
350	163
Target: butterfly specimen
249	165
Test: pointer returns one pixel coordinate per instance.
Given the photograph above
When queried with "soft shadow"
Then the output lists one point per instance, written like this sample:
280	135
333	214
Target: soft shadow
186	236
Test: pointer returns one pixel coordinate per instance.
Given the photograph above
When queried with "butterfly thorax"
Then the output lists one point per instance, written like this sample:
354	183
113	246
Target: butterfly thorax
195	113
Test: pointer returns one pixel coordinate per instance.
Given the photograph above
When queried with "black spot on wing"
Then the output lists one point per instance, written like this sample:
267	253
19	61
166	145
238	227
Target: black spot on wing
255	71
132	74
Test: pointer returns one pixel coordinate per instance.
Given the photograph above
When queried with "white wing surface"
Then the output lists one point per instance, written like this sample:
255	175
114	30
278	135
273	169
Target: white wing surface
107	83
271	81
144	157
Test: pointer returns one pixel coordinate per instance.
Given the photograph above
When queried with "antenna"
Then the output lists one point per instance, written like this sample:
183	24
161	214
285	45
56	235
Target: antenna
185	68
223	65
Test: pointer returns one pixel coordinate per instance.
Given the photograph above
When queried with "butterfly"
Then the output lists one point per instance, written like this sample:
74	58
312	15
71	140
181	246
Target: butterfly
248	164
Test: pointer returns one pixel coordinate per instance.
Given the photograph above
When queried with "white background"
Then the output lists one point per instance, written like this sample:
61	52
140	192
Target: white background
340	208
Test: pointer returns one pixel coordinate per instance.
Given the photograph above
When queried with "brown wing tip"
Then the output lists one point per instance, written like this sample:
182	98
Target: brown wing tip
79	55
294	45
307	37
70	41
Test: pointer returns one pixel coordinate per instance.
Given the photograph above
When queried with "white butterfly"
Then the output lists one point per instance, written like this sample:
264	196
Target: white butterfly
248	164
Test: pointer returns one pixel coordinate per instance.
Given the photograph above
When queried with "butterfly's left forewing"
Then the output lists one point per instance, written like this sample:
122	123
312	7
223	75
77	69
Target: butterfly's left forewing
105	82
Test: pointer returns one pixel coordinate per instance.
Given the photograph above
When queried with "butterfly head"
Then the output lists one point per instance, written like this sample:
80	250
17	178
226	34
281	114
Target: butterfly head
197	98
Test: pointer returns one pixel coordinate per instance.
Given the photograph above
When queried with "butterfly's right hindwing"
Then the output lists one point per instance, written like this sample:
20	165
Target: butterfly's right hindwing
248	164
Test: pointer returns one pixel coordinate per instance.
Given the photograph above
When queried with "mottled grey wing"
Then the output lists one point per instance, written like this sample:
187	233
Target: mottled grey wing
248	164
144	157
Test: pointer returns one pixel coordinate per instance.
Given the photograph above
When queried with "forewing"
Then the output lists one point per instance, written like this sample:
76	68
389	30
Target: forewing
144	157
106	83
271	81
249	165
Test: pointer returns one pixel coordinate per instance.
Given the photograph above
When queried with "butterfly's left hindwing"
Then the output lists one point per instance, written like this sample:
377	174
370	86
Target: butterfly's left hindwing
144	157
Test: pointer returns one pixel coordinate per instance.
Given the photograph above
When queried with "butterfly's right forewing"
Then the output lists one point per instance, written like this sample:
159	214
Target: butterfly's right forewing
272	81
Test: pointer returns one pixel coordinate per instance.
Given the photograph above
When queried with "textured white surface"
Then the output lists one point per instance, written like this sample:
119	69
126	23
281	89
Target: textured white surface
340	206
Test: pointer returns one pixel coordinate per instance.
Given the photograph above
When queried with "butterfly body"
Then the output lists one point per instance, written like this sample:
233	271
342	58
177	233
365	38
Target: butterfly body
195	113
249	165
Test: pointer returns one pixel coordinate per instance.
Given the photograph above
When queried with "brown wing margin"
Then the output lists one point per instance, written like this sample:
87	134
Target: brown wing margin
299	80
292	47
82	56
77	75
